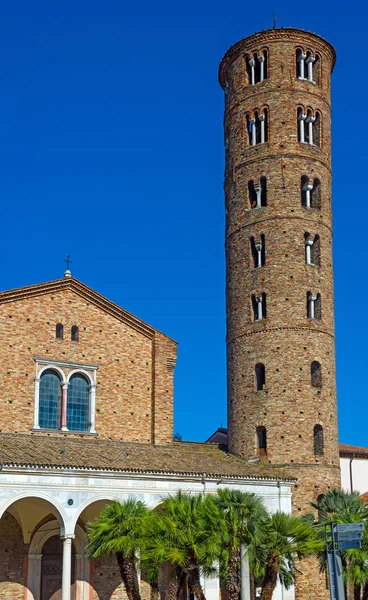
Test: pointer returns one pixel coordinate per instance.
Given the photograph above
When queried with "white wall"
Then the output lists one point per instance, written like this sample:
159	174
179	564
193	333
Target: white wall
359	468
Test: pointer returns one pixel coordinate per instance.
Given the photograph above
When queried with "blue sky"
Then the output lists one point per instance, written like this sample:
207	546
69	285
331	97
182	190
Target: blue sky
112	149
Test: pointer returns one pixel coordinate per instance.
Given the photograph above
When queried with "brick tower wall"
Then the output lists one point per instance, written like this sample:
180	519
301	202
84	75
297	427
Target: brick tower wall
286	341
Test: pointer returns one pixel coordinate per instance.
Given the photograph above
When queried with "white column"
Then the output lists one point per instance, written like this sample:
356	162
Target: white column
259	254
308	189
311	301
262	119
301	59
258	190
34	577
259	309
66	581
92	407
244	574
252	64
261	60
308	246
253	123
310	122
310	60
301	119
36	424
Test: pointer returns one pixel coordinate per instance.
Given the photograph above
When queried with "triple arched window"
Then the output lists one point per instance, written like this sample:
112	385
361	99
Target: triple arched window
309	126
308	66
257	127
257	67
64	403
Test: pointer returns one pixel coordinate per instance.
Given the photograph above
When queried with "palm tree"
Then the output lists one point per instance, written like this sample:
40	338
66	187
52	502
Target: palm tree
118	529
346	507
235	517
177	533
285	539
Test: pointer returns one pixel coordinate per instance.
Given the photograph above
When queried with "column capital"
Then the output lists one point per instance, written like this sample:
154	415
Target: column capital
310	119
310	59
252	62
261	58
301	57
307	187
309	243
67	536
302	117
261	117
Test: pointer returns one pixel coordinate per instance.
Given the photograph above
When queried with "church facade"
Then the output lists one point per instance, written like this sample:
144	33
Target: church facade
86	416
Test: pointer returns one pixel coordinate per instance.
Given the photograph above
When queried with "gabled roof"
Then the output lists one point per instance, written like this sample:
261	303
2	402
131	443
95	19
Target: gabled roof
87	453
82	290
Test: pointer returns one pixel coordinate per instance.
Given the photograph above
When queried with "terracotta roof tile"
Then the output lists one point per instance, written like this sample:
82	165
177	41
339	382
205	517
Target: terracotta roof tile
185	458
347	449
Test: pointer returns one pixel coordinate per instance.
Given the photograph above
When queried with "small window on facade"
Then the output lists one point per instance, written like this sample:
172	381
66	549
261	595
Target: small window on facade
316	374
260	374
75	334
261	441
59	331
259	307
318	442
300	64
258	251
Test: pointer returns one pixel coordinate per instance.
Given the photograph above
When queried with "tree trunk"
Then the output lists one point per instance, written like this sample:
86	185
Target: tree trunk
233	581
129	575
194	582
176	582
252	586
357	591
270	577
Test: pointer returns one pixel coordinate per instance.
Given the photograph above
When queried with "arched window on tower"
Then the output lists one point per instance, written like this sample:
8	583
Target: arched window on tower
301	118
256	65
316	194
59	331
75	334
261	435
310	192
259	307
312	250
316	127
316	374
257	193
300	63
78	403
258	127
309	62
258	251
49	400
317	69
314	306
309	130
318	442
260	376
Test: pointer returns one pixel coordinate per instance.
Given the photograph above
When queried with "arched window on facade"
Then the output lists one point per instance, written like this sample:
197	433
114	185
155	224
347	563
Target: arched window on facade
59	331
75	334
49	400
78	403
318	442
316	374
260	376
261	434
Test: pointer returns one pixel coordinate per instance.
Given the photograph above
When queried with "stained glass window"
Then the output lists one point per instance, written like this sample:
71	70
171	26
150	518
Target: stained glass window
78	404
50	400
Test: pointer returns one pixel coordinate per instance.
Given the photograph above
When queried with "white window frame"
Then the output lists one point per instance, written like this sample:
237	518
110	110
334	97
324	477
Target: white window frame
89	371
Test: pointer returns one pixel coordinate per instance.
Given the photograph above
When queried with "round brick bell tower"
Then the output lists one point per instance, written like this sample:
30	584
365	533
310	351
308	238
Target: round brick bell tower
279	290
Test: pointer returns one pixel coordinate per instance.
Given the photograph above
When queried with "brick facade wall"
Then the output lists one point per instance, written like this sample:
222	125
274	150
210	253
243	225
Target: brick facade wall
286	341
134	395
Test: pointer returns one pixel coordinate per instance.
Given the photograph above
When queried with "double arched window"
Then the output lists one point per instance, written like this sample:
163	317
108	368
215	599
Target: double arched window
65	403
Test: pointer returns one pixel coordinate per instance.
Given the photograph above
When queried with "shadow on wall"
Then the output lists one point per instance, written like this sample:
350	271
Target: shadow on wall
12	553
